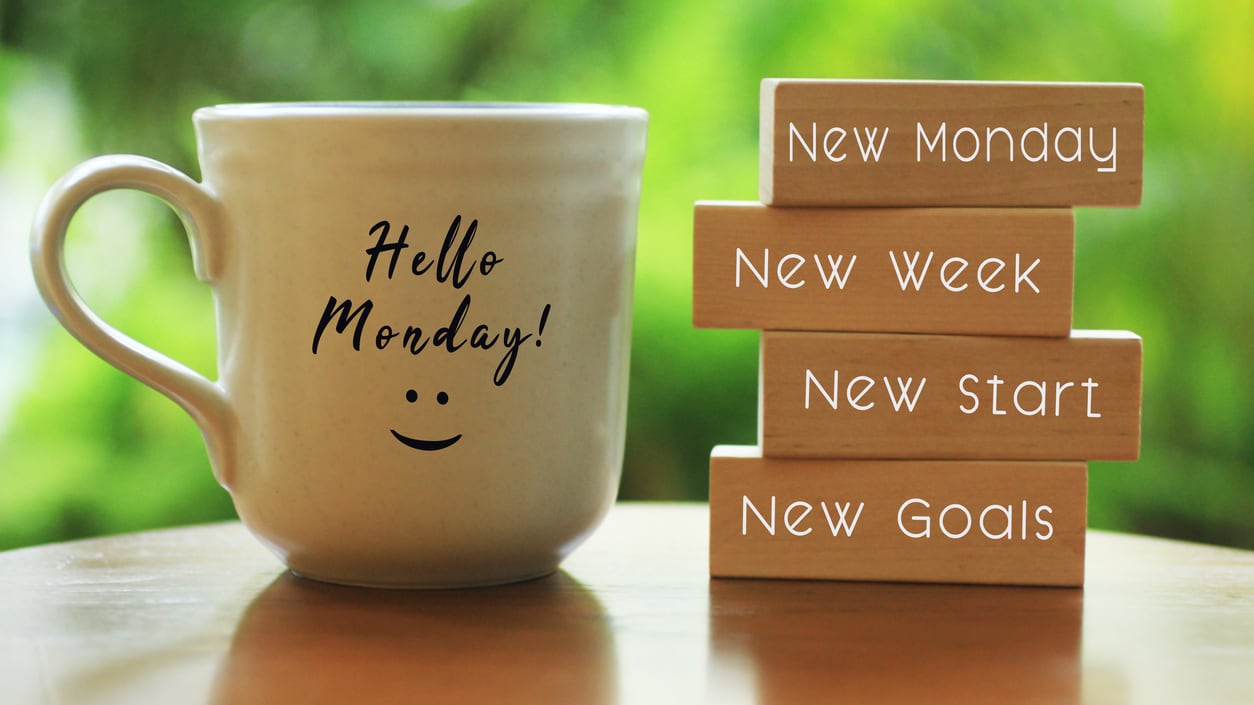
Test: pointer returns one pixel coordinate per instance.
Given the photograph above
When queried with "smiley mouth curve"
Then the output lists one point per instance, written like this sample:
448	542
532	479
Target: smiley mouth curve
419	444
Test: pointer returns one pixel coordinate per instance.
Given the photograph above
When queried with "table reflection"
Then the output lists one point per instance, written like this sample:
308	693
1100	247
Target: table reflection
898	643
300	641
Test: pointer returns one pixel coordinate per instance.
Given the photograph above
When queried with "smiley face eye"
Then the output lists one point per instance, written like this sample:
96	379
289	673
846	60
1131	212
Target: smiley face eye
411	396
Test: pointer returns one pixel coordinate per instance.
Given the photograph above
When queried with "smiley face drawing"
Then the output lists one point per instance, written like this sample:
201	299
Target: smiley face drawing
411	396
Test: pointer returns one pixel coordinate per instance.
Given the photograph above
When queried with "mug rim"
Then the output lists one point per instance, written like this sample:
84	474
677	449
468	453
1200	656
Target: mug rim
418	109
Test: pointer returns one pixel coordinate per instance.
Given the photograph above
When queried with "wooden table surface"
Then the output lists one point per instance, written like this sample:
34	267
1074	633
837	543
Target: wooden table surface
205	615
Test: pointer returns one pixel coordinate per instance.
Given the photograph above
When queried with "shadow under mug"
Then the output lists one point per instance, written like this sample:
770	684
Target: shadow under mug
423	324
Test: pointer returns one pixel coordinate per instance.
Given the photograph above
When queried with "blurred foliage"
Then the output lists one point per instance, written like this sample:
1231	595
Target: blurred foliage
86	450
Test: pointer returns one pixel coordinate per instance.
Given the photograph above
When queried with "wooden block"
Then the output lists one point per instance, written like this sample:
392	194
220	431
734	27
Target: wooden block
865	395
950	143
1019	523
987	271
851	642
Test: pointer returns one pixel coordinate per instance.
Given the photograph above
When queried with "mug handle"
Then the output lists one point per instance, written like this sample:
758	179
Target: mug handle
204	220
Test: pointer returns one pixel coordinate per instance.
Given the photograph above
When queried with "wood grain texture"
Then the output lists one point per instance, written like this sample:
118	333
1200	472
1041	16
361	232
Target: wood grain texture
866	395
988	271
206	615
834	168
902	643
1010	523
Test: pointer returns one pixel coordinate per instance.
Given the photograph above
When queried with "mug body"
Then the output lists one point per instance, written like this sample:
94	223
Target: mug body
424	317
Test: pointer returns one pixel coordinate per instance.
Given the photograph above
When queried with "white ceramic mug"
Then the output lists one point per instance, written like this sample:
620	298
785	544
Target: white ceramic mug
424	316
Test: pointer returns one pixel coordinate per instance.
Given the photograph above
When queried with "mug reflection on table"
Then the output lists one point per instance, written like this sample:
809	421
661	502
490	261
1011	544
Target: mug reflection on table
544	641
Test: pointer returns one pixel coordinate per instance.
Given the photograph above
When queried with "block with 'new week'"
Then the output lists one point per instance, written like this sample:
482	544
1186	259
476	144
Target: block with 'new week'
927	521
950	143
990	271
869	395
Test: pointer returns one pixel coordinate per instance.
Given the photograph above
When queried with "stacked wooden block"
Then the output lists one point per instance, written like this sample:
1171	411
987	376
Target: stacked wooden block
925	409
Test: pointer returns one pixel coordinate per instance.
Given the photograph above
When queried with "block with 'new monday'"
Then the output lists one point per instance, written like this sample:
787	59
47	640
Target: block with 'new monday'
950	143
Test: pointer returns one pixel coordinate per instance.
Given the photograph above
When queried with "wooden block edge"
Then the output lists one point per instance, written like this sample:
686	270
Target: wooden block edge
766	141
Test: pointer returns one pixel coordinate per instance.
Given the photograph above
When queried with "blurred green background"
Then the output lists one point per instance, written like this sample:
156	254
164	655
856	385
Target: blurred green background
85	450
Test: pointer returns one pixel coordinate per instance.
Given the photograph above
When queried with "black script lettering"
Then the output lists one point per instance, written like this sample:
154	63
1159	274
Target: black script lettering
345	318
382	227
420	264
445	271
447	335
483	338
384	336
451	265
511	338
413	340
488	262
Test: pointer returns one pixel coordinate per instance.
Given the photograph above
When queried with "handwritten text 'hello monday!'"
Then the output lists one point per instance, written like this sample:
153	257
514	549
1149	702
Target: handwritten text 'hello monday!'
452	267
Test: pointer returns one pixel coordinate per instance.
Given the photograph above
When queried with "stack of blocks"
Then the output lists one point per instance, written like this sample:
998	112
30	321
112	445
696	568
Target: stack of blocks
925	409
